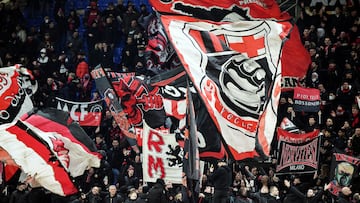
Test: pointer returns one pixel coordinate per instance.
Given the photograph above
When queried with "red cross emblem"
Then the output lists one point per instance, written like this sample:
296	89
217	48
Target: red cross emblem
250	45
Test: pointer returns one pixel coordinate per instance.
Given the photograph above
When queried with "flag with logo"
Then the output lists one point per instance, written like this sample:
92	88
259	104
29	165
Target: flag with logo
113	102
85	113
232	53
16	87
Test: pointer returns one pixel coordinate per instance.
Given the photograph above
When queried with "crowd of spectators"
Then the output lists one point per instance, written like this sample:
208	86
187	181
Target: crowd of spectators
66	46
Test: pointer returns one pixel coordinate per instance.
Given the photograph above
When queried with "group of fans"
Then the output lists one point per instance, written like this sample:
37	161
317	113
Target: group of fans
66	46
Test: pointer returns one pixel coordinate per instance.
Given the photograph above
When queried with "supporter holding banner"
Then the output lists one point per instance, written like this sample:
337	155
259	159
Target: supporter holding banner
306	99
297	153
162	156
85	113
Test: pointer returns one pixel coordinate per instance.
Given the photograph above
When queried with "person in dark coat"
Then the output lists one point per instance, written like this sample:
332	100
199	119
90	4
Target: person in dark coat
221	178
19	195
113	196
274	195
157	193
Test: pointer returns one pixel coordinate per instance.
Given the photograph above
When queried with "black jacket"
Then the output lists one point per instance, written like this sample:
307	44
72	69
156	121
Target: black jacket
221	178
116	199
157	194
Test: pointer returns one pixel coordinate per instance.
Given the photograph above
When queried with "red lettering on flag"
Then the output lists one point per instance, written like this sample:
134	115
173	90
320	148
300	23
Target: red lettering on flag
155	163
155	141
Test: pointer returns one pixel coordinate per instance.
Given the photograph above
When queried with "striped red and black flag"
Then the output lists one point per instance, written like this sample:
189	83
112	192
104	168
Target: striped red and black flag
50	148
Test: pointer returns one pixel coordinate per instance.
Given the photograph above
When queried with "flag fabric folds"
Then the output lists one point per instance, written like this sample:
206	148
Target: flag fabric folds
36	159
56	126
191	150
173	87
295	62
232	51
49	148
16	87
240	85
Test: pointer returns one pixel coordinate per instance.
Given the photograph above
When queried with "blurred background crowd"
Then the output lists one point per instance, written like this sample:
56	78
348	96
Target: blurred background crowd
61	41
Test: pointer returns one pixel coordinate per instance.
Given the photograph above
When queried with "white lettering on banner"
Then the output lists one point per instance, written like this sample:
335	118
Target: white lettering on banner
297	167
306	97
307	103
82	109
201	140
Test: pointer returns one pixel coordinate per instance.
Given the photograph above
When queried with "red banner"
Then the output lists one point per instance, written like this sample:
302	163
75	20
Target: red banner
306	99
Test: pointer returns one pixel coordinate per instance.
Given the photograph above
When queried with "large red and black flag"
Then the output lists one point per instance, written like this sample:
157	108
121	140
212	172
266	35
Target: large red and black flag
113	102
232	50
50	148
173	88
16	87
36	159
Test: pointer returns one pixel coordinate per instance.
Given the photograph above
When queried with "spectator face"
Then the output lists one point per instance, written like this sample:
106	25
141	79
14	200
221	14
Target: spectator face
95	190
274	191
310	193
115	144
98	140
254	171
327	41
329	122
357	131
345	86
312	121
112	190
354	110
